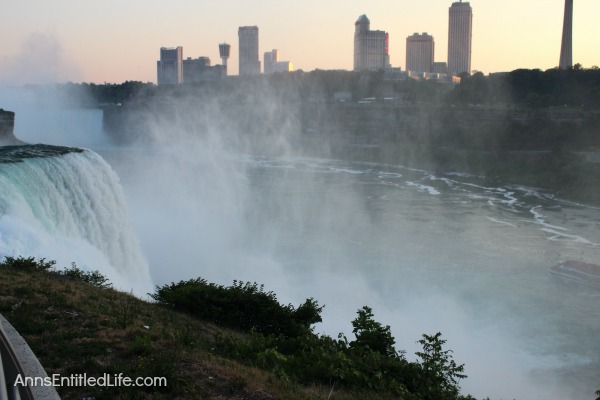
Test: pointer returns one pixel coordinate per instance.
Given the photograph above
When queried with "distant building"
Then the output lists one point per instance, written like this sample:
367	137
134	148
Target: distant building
200	70
370	47
566	47
271	63
460	30
420	50
248	50
440	68
170	66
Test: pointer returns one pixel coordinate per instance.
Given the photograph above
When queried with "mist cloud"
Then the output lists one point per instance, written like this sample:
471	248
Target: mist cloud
41	59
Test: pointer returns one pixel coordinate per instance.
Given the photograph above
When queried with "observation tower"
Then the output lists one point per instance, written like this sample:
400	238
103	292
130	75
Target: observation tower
224	51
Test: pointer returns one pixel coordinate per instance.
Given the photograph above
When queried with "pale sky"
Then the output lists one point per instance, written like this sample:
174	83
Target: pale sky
117	40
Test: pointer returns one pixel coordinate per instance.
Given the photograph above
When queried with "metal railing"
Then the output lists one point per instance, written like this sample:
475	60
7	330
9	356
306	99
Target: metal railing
17	360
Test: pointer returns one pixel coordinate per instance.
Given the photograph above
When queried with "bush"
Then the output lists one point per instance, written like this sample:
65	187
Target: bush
94	278
27	264
242	306
30	264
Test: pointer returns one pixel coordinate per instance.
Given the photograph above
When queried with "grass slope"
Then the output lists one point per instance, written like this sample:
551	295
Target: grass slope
77	328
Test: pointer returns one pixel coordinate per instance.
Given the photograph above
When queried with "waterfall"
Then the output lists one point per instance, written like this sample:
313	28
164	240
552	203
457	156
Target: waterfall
69	208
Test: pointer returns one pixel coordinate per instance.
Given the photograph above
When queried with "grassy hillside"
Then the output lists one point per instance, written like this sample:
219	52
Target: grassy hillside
77	328
76	323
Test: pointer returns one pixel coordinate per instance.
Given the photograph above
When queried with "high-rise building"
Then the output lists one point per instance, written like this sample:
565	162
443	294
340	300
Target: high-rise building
566	47
370	47
420	50
248	50
170	66
271	63
460	30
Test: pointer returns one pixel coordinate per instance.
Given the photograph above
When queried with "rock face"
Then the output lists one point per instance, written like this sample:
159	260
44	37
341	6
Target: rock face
7	124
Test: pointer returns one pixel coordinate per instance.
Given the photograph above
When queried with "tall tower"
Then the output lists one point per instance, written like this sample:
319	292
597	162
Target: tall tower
460	30
224	52
248	48
370	47
566	47
420	53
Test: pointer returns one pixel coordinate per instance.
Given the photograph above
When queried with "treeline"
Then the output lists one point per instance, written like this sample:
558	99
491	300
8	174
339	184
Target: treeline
575	87
533	88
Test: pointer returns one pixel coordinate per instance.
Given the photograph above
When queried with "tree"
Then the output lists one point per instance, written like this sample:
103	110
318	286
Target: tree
440	372
371	335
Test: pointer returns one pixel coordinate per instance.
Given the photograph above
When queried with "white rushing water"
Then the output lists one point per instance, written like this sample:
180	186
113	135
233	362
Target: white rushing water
71	208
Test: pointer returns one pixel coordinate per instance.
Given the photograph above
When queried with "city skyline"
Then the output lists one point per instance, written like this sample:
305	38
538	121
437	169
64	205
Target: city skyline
113	42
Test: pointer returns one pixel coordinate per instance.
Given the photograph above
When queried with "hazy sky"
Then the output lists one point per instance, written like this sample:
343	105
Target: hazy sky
119	40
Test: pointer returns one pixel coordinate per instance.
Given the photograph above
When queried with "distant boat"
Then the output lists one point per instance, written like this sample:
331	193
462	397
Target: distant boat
578	272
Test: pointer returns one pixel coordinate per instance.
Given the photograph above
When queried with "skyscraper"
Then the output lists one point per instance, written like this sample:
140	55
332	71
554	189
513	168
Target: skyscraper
248	50
460	29
420	52
170	66
566	47
370	47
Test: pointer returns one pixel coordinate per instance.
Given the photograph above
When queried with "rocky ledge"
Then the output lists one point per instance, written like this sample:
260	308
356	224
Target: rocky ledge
7	125
13	150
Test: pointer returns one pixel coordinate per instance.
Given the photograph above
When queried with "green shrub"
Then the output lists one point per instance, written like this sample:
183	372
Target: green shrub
94	278
27	264
243	306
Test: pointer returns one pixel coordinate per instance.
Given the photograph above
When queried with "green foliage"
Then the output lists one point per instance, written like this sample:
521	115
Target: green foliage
243	306
371	335
368	363
27	264
576	87
94	278
440	373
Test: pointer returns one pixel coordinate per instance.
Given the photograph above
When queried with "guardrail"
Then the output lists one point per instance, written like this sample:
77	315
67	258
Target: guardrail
17	359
